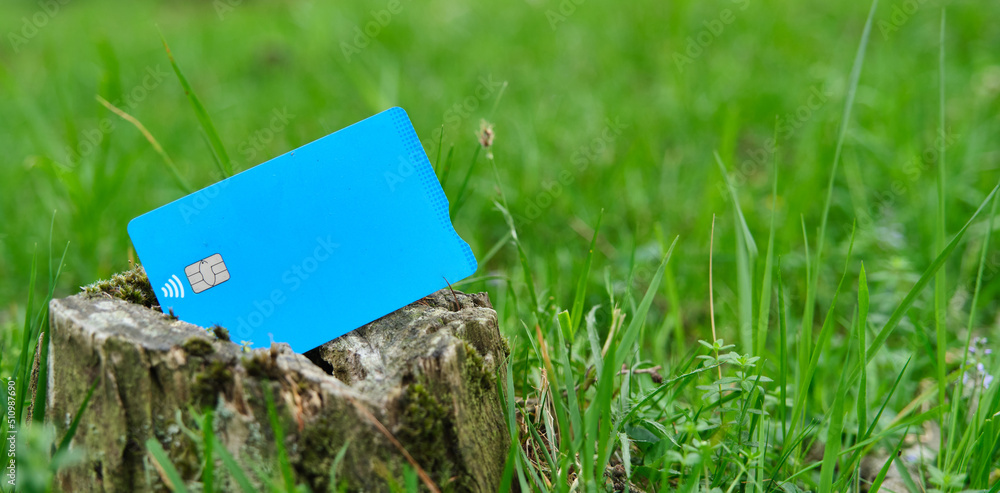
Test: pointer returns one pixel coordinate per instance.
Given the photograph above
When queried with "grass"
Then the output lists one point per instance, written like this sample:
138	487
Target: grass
614	216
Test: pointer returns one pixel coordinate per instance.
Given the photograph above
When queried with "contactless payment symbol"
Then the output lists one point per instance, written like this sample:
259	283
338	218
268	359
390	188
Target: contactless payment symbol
206	273
173	288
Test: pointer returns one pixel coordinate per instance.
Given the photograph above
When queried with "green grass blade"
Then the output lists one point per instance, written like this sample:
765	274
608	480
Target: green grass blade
787	451
208	439
834	440
218	149
985	446
864	438
410	480
676	311
880	478
446	170
581	286
763	441
764	312
628	299
174	170
52	274
335	466
595	343
956	396
279	439
803	344
832	448
572	406
525	267
510	415
71	431
885	402
746	253
58	273
782	355
233	468
41	385
738	211
896	424
940	280
600	407
622	351
863	303
437	160
824	336
460	197
645	399
533	430
532	472
921	283
624	347
175	483
904	472
22	367
495	249
556	388
855	76
691	482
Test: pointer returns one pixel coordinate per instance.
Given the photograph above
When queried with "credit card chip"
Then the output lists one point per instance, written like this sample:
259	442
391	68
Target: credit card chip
206	273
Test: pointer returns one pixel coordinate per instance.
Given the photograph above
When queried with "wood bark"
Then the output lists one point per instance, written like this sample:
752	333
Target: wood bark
422	379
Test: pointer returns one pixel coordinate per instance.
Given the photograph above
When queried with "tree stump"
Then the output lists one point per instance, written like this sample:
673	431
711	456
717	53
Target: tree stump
421	381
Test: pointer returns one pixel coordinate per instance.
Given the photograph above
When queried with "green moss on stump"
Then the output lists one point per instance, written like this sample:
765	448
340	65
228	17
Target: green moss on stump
210	383
475	369
321	440
131	285
197	346
261	365
423	414
221	333
428	435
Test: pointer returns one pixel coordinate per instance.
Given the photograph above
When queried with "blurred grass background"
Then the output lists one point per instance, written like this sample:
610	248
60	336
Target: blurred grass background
566	74
607	105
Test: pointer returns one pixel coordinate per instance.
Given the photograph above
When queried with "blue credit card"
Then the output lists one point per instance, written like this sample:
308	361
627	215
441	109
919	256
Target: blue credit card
311	244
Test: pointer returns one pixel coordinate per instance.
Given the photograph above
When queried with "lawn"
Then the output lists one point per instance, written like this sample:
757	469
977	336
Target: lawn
778	176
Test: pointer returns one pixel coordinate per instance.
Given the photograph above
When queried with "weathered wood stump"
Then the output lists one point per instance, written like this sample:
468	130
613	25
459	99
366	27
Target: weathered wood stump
425	374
